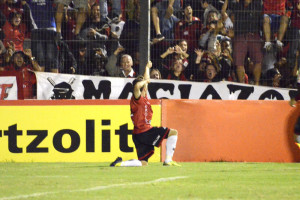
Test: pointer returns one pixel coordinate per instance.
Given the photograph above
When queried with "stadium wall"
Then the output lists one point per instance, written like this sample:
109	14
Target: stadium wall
100	130
68	130
241	131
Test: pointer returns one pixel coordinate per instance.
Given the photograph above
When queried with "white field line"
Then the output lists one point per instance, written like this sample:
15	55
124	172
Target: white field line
94	188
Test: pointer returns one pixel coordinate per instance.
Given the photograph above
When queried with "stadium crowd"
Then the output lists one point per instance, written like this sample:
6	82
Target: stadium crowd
246	41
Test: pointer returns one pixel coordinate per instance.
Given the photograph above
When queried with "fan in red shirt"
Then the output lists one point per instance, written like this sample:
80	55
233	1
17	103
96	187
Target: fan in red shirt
22	66
144	136
275	19
189	28
15	31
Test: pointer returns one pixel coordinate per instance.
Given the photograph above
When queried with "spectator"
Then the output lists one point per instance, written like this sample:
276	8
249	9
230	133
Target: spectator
163	19
294	36
82	6
126	63
44	37
82	59
155	74
272	78
211	73
43	13
15	31
227	72
95	31
208	38
160	8
189	28
177	71
207	7
247	38
275	16
99	62
66	61
22	66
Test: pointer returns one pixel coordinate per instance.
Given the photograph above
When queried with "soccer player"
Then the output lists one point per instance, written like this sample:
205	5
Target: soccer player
144	136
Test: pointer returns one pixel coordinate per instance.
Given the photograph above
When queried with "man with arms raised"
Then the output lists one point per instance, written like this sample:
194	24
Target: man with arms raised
144	136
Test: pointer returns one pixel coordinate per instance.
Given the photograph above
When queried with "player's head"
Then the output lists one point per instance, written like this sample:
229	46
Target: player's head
139	78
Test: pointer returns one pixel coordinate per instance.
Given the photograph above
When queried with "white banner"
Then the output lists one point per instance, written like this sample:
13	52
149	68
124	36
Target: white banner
66	86
8	88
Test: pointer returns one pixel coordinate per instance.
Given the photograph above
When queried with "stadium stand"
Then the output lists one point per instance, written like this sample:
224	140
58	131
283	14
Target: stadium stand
246	41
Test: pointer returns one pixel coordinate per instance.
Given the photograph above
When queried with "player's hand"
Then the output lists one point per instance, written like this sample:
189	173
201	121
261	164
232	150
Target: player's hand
293	102
149	64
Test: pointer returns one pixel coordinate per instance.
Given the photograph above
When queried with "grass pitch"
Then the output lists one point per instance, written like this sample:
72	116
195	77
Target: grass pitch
191	181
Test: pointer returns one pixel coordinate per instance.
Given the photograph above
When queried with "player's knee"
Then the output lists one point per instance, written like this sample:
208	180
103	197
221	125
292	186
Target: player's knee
144	163
173	132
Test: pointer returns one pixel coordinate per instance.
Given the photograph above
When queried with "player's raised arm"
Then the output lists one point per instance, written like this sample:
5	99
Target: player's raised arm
147	70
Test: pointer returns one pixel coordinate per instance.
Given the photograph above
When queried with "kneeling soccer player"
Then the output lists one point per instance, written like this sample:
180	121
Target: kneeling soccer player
144	136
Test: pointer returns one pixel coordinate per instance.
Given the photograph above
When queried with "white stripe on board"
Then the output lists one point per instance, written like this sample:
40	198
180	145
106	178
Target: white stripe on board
95	188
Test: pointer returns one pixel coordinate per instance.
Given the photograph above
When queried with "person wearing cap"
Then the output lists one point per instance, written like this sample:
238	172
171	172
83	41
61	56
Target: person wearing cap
23	66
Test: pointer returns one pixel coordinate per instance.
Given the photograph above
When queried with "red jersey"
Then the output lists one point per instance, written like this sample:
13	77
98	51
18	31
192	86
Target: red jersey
25	80
141	114
14	34
189	31
274	7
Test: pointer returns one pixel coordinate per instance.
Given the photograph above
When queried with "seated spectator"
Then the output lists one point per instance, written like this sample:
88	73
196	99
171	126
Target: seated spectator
189	28
82	6
126	63
177	71
22	66
275	18
155	74
247	40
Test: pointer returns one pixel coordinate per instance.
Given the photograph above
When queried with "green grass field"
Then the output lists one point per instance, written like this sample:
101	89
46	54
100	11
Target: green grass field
191	181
